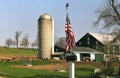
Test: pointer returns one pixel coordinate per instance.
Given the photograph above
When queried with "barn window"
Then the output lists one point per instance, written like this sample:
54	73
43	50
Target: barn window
56	49
96	47
96	42
80	43
88	40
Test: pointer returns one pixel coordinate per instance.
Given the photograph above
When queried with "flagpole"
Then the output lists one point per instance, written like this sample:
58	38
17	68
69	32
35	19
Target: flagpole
70	56
72	69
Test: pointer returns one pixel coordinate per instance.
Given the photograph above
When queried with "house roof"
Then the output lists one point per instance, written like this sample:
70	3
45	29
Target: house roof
83	49
58	53
103	38
86	50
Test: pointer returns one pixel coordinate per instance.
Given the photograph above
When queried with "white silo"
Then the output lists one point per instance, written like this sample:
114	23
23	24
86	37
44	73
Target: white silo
45	36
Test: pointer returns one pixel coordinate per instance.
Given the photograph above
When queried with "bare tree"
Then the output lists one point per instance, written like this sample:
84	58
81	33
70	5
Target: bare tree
109	14
35	43
25	41
61	42
56	38
17	35
9	42
14	43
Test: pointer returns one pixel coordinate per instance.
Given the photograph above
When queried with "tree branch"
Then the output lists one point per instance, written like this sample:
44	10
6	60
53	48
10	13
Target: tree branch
112	4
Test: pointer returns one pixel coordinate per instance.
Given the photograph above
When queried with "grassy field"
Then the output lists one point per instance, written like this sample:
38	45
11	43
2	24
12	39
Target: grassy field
13	52
8	70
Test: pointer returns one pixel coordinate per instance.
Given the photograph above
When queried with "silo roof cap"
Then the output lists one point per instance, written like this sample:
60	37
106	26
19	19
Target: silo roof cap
45	16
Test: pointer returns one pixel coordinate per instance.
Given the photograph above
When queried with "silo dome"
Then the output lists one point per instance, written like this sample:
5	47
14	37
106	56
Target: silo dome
45	16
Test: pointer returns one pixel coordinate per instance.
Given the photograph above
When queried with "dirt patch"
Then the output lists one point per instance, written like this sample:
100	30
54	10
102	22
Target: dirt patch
53	67
8	58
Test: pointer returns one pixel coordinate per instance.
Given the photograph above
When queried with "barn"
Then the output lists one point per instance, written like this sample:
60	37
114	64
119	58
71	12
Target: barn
93	47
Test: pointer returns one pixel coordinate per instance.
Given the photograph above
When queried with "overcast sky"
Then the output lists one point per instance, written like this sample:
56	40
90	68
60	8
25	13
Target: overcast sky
22	15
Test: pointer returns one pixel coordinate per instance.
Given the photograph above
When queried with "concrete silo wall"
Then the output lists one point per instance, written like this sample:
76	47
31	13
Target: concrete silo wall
45	36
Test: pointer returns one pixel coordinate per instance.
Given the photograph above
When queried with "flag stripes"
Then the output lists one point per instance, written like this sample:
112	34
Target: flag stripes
70	40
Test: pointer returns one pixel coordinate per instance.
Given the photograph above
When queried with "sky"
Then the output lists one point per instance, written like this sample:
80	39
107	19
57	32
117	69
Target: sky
22	15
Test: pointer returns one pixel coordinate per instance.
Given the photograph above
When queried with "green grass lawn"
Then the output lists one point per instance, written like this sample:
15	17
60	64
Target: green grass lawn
7	70
82	70
13	52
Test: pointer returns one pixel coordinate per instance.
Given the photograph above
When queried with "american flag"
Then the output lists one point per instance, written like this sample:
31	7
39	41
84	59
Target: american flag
70	40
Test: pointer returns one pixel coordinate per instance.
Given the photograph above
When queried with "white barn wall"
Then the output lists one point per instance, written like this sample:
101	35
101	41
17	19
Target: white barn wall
92	57
78	56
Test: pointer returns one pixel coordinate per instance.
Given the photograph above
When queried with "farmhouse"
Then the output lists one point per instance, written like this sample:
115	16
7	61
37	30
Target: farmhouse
101	42
92	47
82	53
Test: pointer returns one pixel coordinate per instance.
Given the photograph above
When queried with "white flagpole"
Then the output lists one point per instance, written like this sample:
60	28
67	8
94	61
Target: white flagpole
72	69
